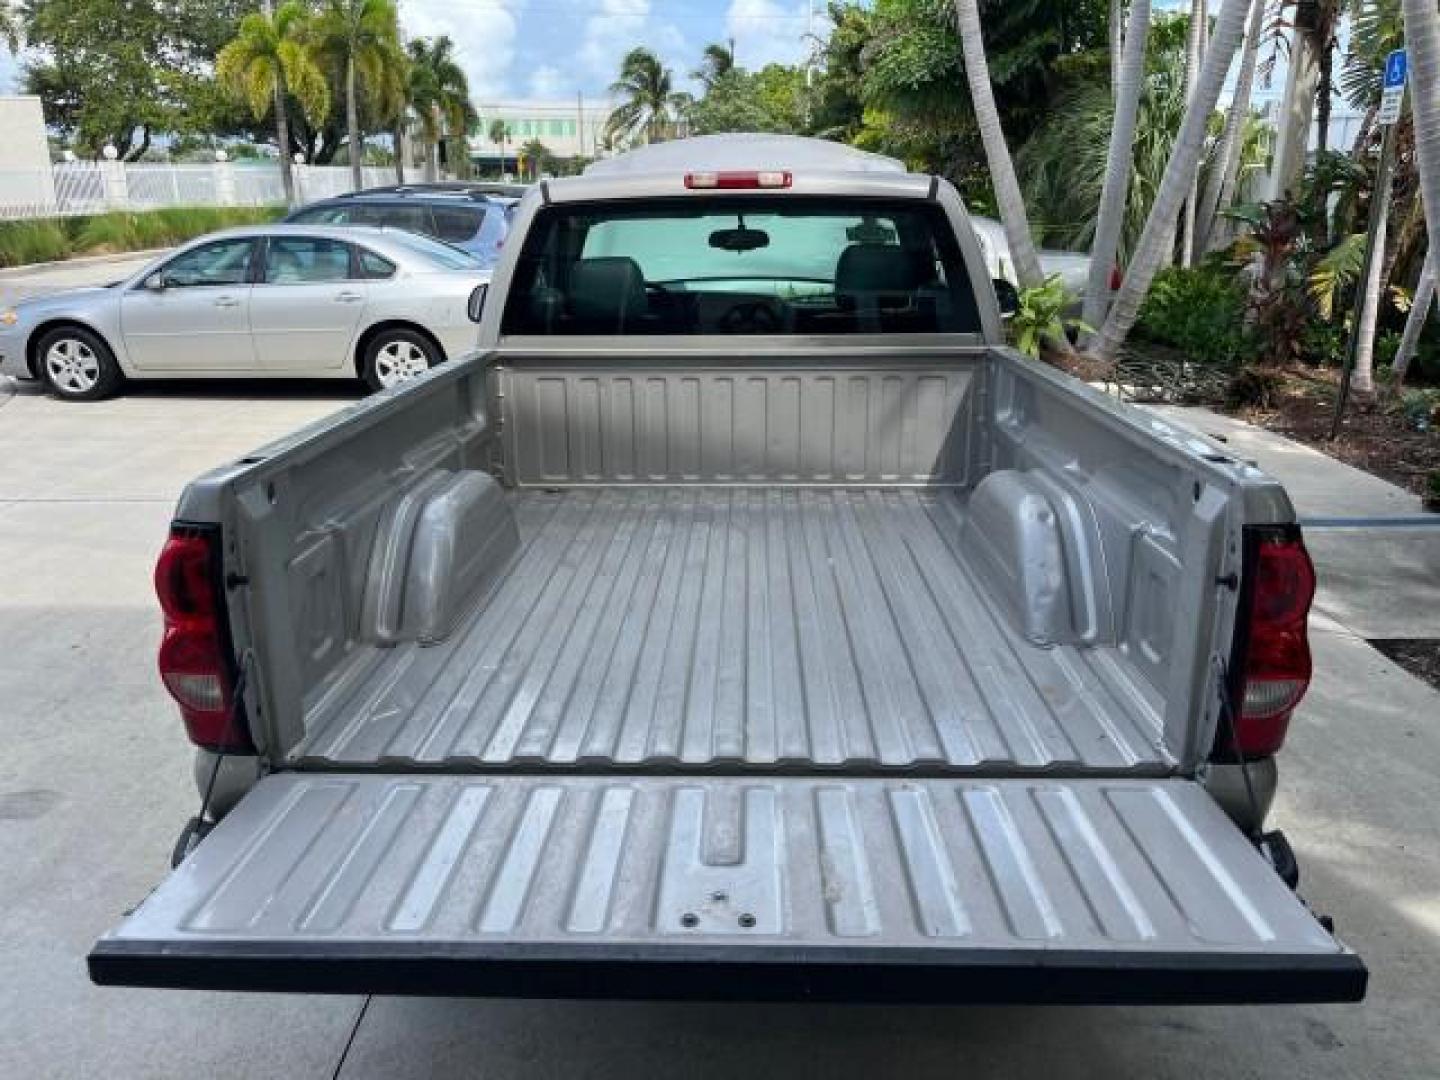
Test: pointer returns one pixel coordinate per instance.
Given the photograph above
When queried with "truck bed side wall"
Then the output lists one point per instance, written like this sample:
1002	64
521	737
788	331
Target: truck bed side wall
1102	528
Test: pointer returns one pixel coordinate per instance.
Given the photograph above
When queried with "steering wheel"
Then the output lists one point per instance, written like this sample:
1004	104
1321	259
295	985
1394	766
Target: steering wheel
749	317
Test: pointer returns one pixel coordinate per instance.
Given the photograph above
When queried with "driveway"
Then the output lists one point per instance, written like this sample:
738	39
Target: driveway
94	787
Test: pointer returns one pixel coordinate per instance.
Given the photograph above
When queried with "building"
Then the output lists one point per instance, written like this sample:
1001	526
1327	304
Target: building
27	185
568	129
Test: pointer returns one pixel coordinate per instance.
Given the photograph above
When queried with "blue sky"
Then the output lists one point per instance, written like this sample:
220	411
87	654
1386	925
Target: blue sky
556	48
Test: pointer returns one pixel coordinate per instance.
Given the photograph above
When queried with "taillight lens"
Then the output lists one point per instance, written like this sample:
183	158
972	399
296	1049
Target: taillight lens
194	665
1275	668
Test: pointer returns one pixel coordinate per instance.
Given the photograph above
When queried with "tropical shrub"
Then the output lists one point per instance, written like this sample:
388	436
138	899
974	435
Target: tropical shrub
48	239
1200	311
1043	314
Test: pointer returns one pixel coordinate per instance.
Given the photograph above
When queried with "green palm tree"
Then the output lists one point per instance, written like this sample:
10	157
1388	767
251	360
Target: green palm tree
440	95
535	158
265	65
651	106
1157	239
499	132
362	39
997	153
717	60
1127	90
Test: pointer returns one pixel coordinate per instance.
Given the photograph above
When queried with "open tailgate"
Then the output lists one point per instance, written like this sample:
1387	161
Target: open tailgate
718	888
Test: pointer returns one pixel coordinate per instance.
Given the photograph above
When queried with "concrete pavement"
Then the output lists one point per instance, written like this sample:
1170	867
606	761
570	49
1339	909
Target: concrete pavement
94	775
94	784
1319	486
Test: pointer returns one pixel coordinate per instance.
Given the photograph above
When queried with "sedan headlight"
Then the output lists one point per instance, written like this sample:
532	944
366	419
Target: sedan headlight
9	317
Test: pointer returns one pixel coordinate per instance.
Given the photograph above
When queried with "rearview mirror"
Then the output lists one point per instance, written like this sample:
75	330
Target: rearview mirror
155	282
741	239
1008	297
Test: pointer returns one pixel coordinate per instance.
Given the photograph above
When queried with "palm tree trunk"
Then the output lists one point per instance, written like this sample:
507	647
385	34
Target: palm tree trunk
1296	111
1119	163
1160	224
352	124
1420	306
1117	47
1194	50
282	140
399	136
432	148
1363	379
997	154
1220	191
1422	39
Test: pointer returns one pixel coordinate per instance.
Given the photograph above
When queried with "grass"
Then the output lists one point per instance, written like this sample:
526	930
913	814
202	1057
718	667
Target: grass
50	239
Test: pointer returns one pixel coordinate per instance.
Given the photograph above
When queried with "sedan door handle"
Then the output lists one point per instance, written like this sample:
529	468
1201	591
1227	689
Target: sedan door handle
226	301
349	297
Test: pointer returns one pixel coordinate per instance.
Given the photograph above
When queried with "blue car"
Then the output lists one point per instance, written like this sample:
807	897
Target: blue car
468	218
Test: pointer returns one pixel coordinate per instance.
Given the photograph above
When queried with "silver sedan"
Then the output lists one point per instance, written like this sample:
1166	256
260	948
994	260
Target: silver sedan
277	301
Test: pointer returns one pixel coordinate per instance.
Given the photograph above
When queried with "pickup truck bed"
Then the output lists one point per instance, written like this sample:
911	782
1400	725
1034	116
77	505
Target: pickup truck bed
696	641
760	628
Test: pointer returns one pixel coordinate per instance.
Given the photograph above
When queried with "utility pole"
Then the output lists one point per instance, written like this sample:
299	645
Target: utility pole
580	122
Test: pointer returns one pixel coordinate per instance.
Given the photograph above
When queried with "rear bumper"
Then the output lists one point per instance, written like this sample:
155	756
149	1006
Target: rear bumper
734	973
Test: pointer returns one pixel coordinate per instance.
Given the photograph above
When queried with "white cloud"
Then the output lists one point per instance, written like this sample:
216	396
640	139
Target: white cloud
484	36
547	81
621	25
771	32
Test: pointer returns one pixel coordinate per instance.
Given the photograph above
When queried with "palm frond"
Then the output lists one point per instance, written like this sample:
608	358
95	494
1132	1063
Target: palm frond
1336	270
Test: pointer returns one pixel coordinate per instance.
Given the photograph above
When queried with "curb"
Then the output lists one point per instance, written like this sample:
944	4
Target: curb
11	272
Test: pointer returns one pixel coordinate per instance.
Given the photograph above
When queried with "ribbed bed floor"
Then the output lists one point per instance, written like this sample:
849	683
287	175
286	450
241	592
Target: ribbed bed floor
739	628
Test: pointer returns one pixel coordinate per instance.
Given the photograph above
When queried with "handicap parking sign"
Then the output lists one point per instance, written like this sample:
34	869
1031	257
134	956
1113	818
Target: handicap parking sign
1395	69
1394	91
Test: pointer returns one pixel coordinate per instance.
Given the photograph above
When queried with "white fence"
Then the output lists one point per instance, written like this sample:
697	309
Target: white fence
91	187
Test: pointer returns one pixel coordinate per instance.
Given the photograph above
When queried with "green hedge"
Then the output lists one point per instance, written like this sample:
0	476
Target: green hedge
48	239
1200	311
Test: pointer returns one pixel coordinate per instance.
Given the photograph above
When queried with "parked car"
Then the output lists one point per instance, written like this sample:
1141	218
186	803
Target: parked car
1072	266
747	621
465	216
277	301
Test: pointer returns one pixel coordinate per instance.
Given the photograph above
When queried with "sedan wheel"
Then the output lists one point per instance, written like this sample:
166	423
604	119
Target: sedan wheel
397	356
78	365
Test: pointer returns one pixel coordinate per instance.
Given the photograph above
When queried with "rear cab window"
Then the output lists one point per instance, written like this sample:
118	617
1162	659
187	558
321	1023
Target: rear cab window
741	265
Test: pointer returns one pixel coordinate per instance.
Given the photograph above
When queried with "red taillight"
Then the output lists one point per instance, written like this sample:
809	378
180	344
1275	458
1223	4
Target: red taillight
193	662
1116	278
734	181
1275	670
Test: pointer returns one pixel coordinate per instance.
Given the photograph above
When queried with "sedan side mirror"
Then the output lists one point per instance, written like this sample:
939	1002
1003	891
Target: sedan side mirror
1008	296
477	303
155	282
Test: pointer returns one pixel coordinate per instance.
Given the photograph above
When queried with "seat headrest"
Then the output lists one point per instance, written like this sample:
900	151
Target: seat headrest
609	290
876	268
